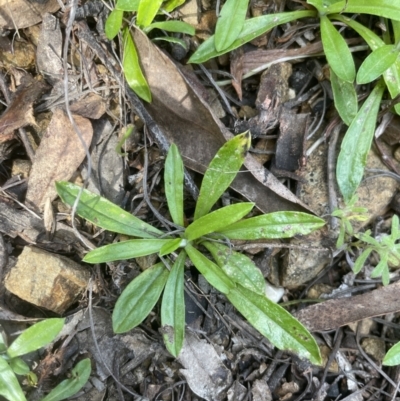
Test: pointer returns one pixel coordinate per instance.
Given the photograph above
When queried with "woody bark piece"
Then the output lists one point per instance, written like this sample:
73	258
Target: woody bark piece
335	313
59	155
47	280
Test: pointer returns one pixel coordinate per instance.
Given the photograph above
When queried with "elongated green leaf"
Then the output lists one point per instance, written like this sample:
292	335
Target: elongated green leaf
35	337
148	9
67	388
139	298
104	213
252	28
337	52
382	8
211	272
127	5
172	245
125	250
275	323
325	7
173	307
230	23
217	220
396	30
273	225
391	75
173	181
132	70
392	357
9	386
361	260
170	5
221	172
113	24
172	26
172	39
19	366
345	97
238	267
357	143
376	63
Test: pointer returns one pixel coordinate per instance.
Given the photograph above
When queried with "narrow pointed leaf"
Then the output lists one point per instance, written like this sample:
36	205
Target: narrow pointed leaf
173	307
67	388
345	97
35	337
127	5
9	386
376	64
252	28
230	23
238	267
275	323
325	7
113	24
382	8
132	70
104	213
215	221
211	272
361	260
171	26
221	172
273	225
130	249
336	51
170	5
357	143
147	10
173	181
19	366
172	245
392	357
139	298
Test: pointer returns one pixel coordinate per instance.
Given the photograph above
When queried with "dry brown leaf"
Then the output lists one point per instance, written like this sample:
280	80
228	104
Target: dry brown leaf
18	14
187	120
59	155
91	106
20	112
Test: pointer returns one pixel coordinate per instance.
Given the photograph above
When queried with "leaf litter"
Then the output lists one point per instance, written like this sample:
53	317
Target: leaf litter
226	355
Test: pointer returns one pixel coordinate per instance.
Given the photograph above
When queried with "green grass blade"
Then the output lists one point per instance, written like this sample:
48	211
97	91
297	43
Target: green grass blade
217	220
133	248
9	386
139	298
221	172
35	337
357	143
132	70
211	272
230	23
170	5
67	388
252	28
337	52
238	267
173	182
173	307
104	213
345	98
381	8
127	5
172	26
147	10
113	24
273	225
392	357
376	64
275	323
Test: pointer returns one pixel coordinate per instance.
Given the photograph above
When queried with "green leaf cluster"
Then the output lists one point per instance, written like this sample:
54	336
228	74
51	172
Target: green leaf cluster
230	272
146	11
11	363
